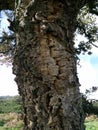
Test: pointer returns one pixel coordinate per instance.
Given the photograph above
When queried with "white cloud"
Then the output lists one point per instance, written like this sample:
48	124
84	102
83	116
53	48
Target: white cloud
7	83
88	75
4	25
95	50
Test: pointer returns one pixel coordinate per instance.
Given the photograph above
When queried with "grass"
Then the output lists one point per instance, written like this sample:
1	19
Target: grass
10	115
91	123
10	121
2	128
13	121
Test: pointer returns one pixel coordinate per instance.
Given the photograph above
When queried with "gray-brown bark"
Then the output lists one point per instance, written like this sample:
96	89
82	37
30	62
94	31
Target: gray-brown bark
7	4
45	66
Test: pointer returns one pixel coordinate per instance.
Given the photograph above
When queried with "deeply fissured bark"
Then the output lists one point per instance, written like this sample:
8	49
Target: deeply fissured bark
45	65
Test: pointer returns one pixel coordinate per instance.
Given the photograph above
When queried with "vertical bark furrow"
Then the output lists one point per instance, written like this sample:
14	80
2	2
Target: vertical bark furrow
45	67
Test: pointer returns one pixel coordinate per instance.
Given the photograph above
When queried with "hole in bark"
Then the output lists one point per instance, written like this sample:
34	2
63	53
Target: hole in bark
52	13
39	78
60	5
34	92
53	127
51	108
59	100
48	100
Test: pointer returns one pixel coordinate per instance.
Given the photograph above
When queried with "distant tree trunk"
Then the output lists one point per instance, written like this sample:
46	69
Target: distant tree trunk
45	65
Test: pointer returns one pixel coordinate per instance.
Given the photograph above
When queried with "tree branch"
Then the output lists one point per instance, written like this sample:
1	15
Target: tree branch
7	4
3	38
94	45
94	12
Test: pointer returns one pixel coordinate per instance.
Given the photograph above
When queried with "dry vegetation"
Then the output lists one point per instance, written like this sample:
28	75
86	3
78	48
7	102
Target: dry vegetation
11	115
11	121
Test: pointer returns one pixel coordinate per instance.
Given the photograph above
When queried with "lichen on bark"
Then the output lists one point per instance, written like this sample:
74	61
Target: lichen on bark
45	66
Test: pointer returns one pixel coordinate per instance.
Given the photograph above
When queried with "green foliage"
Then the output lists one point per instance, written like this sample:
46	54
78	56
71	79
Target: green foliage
7	43
13	104
87	27
90	106
2	122
11	113
91	90
93	6
91	123
11	121
2	128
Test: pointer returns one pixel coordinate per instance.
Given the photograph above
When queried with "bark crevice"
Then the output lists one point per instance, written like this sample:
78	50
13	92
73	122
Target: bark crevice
45	67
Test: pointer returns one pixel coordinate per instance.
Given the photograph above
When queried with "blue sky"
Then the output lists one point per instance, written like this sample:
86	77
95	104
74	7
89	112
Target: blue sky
7	83
94	61
87	72
88	69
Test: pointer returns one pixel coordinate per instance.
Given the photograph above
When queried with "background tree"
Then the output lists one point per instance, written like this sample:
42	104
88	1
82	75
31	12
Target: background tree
90	106
45	61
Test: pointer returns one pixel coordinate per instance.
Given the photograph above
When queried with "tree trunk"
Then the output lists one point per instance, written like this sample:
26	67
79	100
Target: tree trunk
45	65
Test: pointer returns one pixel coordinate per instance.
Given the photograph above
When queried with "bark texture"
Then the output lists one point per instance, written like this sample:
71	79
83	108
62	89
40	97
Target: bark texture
7	5
45	65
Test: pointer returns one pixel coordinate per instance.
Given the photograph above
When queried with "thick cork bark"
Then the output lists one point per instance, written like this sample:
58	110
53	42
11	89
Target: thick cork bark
45	66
